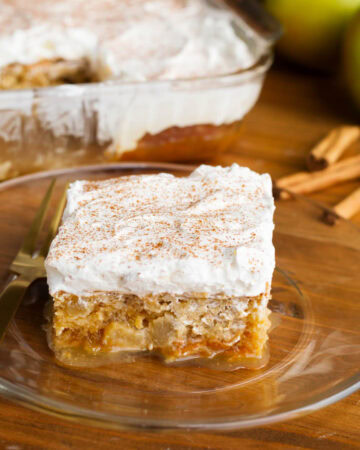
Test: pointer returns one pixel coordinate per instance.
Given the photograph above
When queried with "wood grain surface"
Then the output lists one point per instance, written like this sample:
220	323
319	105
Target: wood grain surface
295	110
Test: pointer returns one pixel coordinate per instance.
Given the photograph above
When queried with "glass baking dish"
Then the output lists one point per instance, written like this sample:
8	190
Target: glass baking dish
177	120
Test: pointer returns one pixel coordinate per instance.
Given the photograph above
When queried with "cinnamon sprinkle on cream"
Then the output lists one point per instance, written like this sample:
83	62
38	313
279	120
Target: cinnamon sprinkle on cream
208	232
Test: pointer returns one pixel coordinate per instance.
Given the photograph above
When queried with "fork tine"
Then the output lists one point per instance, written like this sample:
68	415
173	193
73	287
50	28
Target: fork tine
29	242
54	225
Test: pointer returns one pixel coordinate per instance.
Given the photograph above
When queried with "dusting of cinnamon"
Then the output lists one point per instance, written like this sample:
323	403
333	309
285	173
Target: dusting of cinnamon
162	216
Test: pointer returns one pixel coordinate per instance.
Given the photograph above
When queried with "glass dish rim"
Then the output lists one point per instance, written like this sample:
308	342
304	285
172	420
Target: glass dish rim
62	410
260	66
42	404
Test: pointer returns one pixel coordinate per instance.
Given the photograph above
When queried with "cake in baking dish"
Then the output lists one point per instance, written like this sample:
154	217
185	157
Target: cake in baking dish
44	43
167	80
178	266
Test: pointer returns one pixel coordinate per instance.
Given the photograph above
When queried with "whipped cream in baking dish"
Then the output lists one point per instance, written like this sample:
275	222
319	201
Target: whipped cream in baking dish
133	40
210	232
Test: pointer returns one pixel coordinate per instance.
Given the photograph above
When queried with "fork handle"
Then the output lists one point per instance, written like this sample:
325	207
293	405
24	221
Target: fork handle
10	299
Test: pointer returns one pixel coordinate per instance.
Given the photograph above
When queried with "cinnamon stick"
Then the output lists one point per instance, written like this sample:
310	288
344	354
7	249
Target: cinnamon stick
330	149
287	182
347	169
346	209
292	179
5	169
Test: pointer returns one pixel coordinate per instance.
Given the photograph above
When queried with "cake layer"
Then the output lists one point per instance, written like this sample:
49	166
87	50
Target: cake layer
174	326
45	73
210	232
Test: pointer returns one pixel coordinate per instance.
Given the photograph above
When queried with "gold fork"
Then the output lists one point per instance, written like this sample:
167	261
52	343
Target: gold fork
28	265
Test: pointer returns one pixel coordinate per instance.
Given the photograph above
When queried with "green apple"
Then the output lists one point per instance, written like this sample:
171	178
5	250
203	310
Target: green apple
351	57
313	29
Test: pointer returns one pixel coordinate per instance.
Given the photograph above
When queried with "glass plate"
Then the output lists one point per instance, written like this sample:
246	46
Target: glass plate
314	347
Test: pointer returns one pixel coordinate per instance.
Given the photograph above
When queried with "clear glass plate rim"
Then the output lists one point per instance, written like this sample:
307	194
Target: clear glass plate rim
59	409
303	342
43	404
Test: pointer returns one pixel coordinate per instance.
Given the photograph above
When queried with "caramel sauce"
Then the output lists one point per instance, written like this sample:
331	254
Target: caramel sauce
222	363
191	143
77	357
37	149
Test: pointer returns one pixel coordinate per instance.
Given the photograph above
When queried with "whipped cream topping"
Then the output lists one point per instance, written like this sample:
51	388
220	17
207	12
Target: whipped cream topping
47	42
210	232
133	40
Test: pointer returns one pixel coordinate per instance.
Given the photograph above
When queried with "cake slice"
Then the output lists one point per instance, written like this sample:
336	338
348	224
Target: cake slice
179	266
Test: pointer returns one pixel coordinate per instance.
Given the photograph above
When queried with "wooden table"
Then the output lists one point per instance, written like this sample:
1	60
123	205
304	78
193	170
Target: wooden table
294	111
